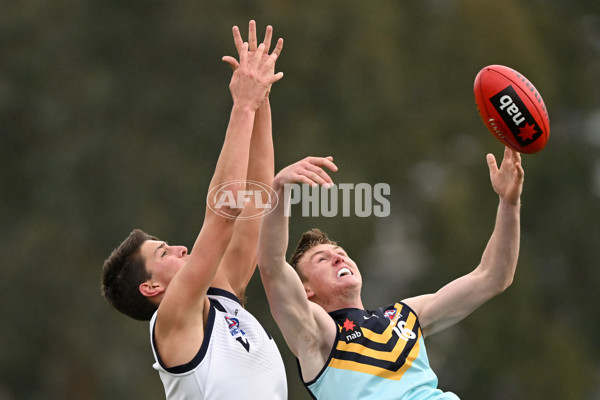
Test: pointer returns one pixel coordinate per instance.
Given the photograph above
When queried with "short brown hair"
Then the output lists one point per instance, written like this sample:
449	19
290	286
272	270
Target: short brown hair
309	239
123	272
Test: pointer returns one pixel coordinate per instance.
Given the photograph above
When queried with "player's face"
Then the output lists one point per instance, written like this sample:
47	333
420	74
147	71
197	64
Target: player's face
162	260
329	271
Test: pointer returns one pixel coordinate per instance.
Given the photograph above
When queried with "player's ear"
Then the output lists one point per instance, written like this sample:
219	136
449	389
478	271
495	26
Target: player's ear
151	289
308	291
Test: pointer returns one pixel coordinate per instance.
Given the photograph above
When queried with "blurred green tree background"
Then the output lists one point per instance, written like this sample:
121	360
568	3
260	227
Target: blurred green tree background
112	114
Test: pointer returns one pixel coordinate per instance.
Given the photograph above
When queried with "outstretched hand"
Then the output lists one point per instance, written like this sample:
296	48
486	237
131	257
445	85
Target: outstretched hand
252	49
308	171
252	79
252	44
507	180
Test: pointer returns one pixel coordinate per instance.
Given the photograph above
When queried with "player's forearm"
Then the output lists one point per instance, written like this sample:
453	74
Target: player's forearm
284	290
241	255
499	260
240	259
261	167
217	230
273	237
233	159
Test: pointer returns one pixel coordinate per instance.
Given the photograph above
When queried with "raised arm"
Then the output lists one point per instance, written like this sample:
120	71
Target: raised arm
308	330
497	268
180	314
239	261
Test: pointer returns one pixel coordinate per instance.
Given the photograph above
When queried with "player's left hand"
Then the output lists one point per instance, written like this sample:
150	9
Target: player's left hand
309	171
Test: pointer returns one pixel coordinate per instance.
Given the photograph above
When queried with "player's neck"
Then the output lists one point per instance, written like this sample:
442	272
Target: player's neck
341	302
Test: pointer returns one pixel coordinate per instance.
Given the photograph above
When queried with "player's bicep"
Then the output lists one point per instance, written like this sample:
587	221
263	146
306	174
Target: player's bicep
289	305
451	303
239	261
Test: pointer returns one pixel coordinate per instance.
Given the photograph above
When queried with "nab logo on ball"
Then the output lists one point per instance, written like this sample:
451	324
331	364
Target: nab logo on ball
516	116
512	109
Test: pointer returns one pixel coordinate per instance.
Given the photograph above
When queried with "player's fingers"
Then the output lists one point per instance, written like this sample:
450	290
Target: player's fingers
244	54
518	165
269	63
237	39
302	179
317	176
275	78
491	161
517	156
278	47
330	164
508	153
323	162
233	63
314	168
258	58
520	171
268	36
252	35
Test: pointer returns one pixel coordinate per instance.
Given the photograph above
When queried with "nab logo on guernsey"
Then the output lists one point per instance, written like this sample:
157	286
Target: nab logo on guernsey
234	328
351	334
232	196
516	116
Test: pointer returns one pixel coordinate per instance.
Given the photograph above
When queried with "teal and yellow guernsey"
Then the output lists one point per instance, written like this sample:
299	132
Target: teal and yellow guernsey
377	355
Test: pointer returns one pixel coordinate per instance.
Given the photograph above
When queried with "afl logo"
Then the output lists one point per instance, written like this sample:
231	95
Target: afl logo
390	314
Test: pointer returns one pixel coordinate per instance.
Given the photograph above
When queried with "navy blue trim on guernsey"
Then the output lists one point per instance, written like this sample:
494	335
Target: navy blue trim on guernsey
307	384
183	368
312	396
404	305
224	293
217	305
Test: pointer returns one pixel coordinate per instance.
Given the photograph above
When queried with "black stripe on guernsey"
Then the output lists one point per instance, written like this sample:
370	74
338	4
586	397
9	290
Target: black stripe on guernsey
224	293
387	346
180	369
373	341
388	365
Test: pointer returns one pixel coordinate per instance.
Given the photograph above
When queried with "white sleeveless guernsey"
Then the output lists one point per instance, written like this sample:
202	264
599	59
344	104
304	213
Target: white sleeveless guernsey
238	359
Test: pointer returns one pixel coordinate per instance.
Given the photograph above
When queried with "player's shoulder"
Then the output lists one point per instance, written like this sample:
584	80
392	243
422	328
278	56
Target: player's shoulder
418	303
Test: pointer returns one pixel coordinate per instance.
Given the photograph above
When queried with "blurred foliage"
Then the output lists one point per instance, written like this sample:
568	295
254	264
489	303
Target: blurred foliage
113	113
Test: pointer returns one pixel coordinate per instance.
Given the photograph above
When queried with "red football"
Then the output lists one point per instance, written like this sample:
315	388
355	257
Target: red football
512	109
